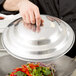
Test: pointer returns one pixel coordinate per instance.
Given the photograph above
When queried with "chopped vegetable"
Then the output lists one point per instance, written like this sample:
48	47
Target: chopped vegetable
1	18
32	69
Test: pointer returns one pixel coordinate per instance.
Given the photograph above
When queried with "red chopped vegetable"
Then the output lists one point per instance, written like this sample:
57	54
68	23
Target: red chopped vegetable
1	18
32	70
33	66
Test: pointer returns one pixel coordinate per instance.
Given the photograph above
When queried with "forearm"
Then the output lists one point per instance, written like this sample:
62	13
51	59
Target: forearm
12	5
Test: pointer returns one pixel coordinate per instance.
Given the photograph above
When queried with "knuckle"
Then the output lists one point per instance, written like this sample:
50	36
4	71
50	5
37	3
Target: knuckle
33	20
36	8
26	11
38	17
28	21
30	9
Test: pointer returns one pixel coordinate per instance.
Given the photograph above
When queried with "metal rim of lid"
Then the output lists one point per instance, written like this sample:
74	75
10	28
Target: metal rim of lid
46	59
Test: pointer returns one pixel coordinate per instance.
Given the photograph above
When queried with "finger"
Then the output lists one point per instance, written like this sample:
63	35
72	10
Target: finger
27	18
33	28
24	18
38	23
42	21
37	16
32	17
29	26
38	29
26	25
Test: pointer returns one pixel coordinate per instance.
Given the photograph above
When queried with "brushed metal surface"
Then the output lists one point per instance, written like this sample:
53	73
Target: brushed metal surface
1	47
54	40
64	65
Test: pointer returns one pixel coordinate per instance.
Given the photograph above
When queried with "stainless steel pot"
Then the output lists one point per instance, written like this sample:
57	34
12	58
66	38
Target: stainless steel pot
54	40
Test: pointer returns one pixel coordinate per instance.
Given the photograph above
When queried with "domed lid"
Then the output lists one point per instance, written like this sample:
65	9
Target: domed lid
54	40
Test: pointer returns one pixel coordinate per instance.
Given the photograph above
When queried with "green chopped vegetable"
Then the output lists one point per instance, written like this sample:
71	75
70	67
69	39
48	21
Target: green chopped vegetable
46	71
19	73
32	69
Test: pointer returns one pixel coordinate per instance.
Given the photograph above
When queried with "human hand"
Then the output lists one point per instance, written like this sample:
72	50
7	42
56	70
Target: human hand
30	14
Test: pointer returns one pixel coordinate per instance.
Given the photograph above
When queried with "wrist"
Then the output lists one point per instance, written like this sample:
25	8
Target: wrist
21	3
11	5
